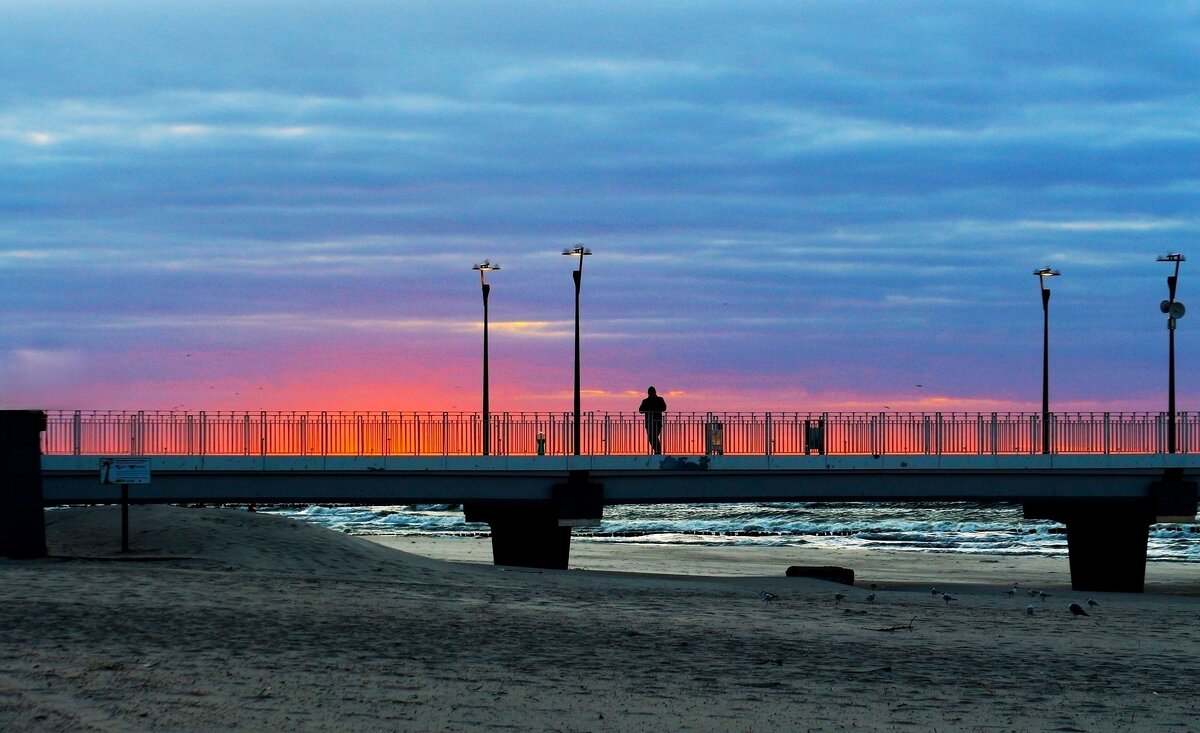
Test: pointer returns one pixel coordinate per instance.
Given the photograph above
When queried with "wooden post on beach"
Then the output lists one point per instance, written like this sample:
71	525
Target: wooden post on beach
22	514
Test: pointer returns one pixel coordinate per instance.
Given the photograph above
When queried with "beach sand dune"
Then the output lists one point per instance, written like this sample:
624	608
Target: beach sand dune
227	620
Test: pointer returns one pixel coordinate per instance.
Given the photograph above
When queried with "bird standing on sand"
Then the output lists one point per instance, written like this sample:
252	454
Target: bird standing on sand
1043	595
1010	592
871	598
947	598
768	596
1032	593
1076	610
1092	603
1029	610
839	597
933	591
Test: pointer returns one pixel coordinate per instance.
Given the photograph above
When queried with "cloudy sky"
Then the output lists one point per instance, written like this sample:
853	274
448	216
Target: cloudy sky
792	205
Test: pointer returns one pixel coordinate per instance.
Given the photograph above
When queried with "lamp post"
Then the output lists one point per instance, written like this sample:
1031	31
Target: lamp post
1043	273
577	275
1174	310
484	268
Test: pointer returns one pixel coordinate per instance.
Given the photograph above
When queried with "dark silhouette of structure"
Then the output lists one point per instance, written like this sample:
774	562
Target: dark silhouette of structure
653	408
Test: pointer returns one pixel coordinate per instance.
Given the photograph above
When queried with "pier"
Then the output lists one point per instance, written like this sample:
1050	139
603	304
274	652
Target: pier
1106	476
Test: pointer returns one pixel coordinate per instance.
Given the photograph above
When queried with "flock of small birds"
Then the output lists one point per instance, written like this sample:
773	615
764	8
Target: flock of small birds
1076	610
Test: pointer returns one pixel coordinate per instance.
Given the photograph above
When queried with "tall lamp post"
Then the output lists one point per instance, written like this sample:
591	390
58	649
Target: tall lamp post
484	268
1043	273
577	275
1174	310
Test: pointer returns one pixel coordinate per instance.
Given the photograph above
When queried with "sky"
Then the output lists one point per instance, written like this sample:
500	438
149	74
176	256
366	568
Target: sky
793	206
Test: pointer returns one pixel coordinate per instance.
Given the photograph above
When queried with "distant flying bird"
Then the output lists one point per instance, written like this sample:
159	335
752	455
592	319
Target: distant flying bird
768	596
839	597
1029	610
1093	604
947	598
1076	610
871	598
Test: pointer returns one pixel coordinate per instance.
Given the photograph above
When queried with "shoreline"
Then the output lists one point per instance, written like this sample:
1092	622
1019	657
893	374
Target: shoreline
898	569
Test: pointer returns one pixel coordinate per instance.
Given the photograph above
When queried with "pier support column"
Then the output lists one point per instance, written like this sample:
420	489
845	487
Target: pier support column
22	514
1107	539
537	534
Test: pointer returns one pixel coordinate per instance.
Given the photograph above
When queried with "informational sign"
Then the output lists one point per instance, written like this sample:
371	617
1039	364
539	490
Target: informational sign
124	470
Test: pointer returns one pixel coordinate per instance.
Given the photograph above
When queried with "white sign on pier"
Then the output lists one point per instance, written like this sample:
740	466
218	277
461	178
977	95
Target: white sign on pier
124	470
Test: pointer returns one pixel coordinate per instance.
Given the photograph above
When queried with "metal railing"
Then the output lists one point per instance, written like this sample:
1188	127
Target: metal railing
95	432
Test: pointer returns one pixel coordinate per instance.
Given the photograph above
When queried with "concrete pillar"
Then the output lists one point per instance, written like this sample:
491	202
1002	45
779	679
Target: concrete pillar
22	514
1106	541
537	534
524	534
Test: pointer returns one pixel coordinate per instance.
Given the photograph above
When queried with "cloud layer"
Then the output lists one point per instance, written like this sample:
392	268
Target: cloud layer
792	206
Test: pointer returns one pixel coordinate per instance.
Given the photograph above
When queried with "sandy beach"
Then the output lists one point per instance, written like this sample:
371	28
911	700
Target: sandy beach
222	619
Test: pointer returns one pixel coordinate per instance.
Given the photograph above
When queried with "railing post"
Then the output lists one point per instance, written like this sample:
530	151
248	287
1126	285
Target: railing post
203	434
77	433
1183	434
607	439
1107	437
767	439
445	434
262	438
925	433
384	448
995	434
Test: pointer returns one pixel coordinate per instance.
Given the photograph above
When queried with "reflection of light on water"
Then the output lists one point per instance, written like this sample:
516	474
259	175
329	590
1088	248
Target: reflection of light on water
973	529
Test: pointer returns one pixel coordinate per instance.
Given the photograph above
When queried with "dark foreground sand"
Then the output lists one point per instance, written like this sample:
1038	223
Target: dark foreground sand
225	620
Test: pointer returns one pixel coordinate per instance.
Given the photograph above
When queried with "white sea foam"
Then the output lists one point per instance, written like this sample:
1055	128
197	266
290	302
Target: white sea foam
996	529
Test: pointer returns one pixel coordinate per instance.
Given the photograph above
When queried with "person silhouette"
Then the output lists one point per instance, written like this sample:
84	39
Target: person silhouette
653	408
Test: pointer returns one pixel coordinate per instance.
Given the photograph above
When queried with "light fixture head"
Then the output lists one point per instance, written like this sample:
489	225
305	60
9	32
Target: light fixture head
1172	257
1046	272
486	266
578	249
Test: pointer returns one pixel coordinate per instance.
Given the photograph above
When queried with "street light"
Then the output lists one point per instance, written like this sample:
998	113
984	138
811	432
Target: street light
484	268
1174	310
1043	273
577	275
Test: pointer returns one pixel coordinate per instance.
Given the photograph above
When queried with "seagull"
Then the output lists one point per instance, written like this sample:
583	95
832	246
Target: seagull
1092	603
947	598
1010	592
1043	595
839	597
933	591
1076	610
1031	592
768	596
871	598
1029	610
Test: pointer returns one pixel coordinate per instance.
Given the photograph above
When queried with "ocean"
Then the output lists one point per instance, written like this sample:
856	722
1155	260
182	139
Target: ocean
951	527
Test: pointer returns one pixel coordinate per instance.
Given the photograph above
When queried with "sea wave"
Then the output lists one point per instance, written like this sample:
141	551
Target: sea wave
962	527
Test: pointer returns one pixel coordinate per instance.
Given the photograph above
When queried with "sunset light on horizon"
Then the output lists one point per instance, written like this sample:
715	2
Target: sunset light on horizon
791	206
